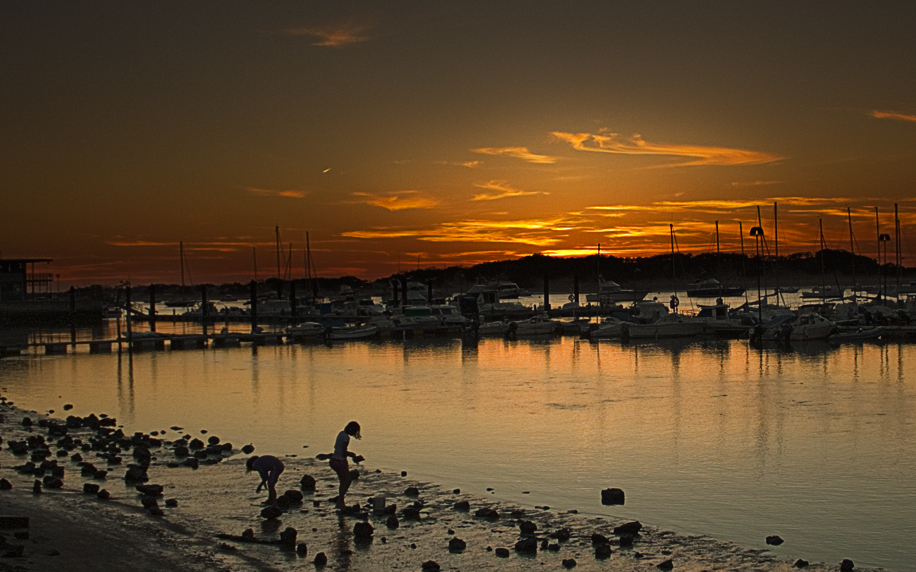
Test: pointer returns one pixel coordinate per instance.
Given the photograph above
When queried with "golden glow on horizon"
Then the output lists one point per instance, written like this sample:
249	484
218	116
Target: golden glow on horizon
607	142
518	153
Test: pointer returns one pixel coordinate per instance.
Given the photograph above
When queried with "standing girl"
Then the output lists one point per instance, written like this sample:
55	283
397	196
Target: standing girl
339	459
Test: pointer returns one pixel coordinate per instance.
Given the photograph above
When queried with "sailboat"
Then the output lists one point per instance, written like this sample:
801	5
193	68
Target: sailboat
181	301
710	287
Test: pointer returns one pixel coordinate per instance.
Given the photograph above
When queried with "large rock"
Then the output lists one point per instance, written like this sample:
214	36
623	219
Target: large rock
612	496
288	537
527	546
628	528
271	512
456	545
307	483
527	527
362	531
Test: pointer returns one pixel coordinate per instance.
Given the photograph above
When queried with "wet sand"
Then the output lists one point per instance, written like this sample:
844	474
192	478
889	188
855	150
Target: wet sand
214	504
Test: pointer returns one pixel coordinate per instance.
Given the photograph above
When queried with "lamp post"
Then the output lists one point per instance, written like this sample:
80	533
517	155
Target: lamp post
884	239
757	233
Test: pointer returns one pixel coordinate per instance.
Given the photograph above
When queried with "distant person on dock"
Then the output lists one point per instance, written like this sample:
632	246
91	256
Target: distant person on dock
269	467
339	459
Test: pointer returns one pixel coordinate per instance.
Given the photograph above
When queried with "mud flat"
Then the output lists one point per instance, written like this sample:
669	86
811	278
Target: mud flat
166	500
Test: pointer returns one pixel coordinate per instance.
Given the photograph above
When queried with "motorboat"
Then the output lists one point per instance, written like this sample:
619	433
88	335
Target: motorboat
719	323
809	327
711	288
497	328
856	334
355	332
306	331
534	326
668	326
821	292
608	328
611	293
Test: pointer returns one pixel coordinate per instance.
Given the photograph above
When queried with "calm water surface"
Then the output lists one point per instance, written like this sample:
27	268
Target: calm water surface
815	444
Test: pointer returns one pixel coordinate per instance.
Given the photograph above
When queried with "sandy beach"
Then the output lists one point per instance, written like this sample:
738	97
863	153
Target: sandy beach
209	518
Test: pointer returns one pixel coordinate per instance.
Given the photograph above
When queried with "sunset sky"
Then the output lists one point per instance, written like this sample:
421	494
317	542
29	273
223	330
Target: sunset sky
445	133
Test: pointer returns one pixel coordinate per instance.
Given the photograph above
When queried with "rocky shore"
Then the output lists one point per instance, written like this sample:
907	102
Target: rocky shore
80	494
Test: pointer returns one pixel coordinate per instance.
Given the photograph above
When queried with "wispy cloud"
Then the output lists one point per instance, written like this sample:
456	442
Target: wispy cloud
606	142
754	183
518	153
502	191
290	194
533	232
399	201
468	164
892	115
333	36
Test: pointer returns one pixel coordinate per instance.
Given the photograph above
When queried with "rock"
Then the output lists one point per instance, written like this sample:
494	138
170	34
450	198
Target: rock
196	445
502	552
302	549
26	421
248	534
430	566
666	565
288	537
192	462
248	449
612	496
149	502
36	487
411	513
626	540
213	440
846	565
307	483
294	496
392	522
599	539
5	485
150	490
555	547
774	540
456	545
569	563
320	559
182	451
527	546
487	513
283	502
412	492
628	528
68	406
463	506
136	474
603	551
801	563
527	527
103	494
53	482
562	535
456	491
271	512
171	503
354	475
362	531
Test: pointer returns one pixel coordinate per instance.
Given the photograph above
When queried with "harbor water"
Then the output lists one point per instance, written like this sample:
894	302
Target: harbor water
814	443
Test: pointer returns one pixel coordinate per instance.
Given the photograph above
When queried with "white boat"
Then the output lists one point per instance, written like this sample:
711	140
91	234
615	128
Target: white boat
719	323
856	335
668	326
610	293
711	288
353	332
810	327
305	331
819	292
608	328
535	326
499	328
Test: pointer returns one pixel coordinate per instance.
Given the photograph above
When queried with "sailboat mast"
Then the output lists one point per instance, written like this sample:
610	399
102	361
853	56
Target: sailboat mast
743	259
820	225
776	251
254	258
673	267
277	232
899	257
852	251
181	260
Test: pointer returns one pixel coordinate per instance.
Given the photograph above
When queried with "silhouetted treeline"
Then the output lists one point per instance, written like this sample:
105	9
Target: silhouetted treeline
529	272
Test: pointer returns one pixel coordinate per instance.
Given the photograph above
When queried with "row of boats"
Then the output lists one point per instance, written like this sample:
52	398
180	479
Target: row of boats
641	320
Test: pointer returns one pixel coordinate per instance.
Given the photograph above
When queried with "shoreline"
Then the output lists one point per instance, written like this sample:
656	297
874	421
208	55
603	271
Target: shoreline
214	506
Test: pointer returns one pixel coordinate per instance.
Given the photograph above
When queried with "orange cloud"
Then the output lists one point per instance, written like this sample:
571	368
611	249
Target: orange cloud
400	201
518	153
290	194
892	115
532	232
333	37
503	191
606	142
